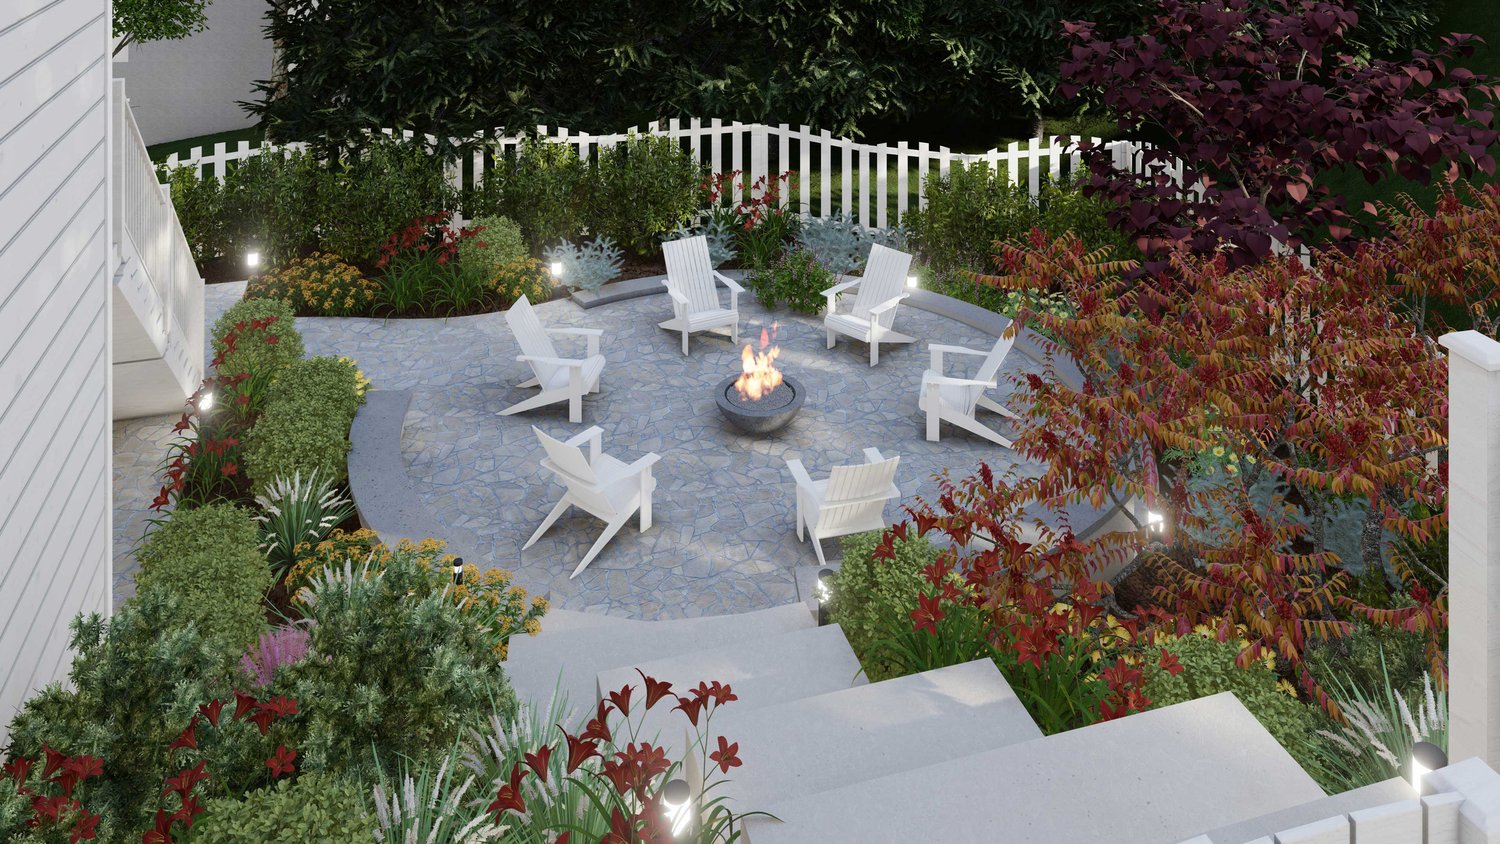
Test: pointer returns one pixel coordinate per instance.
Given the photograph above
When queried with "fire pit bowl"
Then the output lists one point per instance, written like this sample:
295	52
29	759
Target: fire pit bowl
770	412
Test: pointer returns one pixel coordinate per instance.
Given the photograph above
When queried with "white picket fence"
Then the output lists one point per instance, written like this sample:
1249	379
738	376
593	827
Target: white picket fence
873	183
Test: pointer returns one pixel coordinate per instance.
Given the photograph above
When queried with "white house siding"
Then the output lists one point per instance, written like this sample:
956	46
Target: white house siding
190	87
54	334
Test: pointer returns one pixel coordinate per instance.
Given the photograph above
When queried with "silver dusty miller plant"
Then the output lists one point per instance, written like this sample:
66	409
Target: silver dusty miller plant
841	244
587	266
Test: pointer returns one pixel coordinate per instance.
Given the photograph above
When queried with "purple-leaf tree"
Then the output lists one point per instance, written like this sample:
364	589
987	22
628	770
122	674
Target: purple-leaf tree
1258	102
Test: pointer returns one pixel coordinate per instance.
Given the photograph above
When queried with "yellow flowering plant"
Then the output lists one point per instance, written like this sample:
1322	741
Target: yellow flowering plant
318	285
522	277
489	594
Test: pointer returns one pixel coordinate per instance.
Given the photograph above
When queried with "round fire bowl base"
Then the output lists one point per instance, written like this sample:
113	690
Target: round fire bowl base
770	413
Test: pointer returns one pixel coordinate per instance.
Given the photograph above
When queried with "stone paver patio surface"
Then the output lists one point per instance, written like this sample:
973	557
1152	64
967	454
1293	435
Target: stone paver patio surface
723	538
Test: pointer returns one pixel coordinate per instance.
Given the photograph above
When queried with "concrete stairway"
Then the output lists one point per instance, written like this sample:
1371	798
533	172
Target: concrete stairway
1158	776
945	755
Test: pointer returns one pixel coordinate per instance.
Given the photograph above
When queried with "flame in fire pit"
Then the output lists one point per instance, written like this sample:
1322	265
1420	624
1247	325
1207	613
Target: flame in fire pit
760	374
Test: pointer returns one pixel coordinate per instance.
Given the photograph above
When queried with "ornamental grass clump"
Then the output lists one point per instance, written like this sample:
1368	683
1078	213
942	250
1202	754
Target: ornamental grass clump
296	511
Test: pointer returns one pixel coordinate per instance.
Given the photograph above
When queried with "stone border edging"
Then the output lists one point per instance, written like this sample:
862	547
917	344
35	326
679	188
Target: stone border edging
384	496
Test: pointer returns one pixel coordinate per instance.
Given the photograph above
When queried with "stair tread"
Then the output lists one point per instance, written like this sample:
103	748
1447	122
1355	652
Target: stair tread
574	647
762	673
1159	776
1376	794
815	744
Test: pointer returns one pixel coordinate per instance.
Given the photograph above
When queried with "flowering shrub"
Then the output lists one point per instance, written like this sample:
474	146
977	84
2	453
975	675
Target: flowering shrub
490	595
502	244
755	209
43	802
256	336
797	279
606	782
522	277
136	701
318	285
427	235
1035	607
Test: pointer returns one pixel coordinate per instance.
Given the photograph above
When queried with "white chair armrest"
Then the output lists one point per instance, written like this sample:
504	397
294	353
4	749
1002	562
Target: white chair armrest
944	381
840	288
594	437
568	362
887	305
728	282
592	334
640	465
956	350
799	473
872	455
677	296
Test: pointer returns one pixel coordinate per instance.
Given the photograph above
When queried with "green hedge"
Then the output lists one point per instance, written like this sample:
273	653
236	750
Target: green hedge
291	203
315	808
973	206
209	558
305	426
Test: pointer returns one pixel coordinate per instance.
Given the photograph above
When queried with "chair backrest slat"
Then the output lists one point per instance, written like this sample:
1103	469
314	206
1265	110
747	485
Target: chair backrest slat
992	361
884	279
530	336
691	272
855	492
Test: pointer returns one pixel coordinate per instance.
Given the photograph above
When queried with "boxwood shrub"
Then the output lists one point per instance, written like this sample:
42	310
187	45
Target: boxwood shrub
256	351
208	557
315	808
305	425
871	597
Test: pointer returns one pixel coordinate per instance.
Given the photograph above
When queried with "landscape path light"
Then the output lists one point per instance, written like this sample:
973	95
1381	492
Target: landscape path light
1426	757
677	797
823	594
252	259
458	571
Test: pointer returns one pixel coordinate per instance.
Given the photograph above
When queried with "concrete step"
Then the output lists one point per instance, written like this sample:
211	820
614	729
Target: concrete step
574	647
1392	790
762	672
1158	777
820	743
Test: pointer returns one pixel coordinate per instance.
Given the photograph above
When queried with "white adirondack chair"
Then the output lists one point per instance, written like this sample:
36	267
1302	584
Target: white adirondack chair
695	300
851	500
881	290
560	379
957	400
600	485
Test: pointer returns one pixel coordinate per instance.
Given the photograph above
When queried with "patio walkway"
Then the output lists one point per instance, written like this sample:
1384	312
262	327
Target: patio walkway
723	539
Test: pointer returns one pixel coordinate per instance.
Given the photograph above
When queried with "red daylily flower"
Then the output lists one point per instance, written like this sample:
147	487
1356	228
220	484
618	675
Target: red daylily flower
1169	663
211	711
725	756
579	749
621	699
282	763
655	689
188	738
85	828
690	707
598	726
538	761
927	614
509	799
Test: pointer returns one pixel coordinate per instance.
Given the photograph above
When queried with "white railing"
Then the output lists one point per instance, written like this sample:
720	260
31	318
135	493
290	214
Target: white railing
152	251
874	183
